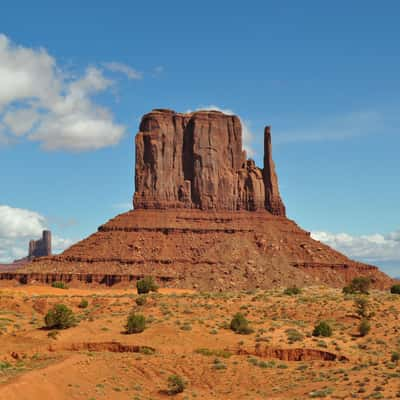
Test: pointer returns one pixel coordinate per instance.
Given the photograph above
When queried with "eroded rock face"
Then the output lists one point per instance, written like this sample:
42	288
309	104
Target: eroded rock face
41	247
196	160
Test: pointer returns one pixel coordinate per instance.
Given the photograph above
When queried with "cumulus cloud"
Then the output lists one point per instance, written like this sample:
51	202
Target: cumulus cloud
371	248
38	101
20	121
17	227
122	68
247	135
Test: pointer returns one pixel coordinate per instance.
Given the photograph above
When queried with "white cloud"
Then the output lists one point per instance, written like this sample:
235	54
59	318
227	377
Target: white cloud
39	102
21	121
60	244
371	248
130	72
17	227
247	135
335	128
17	222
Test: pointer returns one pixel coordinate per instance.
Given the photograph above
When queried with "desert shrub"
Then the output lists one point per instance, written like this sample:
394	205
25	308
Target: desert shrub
294	336
217	353
395	357
53	335
292	291
141	300
176	384
240	324
83	304
135	323
395	289
146	285
359	285
5	365
60	317
322	329
59	285
364	327
362	305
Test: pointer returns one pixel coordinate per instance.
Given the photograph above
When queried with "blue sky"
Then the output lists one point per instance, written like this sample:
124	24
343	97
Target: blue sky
324	75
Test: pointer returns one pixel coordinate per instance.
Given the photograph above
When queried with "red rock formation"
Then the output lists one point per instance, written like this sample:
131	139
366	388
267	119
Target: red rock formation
196	160
204	217
41	247
273	201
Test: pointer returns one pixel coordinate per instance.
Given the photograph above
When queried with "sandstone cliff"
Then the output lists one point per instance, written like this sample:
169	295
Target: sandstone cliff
196	160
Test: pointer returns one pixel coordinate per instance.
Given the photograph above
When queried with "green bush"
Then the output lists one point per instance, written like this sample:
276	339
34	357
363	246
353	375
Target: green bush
292	291
146	285
395	289
364	327
240	324
135	323
358	285
59	285
395	357
362	305
83	304
141	300
176	384
60	317
322	329
293	335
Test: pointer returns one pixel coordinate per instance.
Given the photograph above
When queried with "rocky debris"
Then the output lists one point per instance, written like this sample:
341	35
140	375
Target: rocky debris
292	354
196	160
99	347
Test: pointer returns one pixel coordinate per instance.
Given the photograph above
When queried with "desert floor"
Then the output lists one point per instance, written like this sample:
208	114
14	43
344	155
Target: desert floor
188	334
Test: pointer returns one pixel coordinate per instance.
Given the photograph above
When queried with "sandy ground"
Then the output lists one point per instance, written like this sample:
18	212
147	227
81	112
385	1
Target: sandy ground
190	336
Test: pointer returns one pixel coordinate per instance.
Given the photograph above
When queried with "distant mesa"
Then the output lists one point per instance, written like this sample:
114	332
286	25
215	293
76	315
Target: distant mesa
37	248
41	247
205	217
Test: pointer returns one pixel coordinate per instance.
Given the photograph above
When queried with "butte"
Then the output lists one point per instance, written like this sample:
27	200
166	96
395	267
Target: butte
204	217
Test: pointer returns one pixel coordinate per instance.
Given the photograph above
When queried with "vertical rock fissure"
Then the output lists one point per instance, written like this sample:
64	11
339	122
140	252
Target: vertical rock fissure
196	160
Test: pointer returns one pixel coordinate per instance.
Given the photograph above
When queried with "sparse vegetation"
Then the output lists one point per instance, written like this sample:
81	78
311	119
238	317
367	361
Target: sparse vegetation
292	291
364	327
362	305
395	289
83	304
141	300
136	323
395	357
60	317
216	353
176	384
185	320
294	336
240	324
322	329
59	285
359	285
146	285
